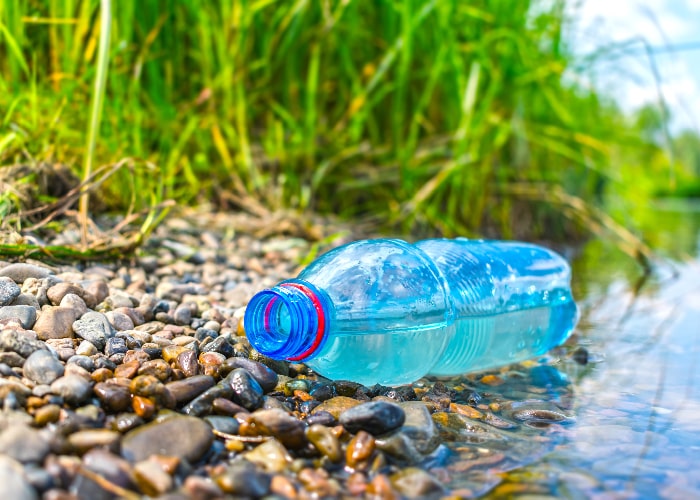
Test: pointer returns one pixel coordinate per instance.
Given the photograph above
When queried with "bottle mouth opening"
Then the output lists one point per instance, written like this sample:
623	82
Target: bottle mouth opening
286	322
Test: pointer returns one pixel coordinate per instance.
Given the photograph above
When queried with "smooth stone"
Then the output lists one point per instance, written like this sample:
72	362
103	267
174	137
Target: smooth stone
24	444
325	441
204	403
157	368
114	397
20	342
42	367
413	482
187	361
74	389
337	405
246	390
85	362
94	327
11	360
244	480
55	322
47	414
107	465
265	376
120	321
26	315
12	390
60	290
75	302
360	448
15	484
151	479
220	345
375	417
281	425
193	437
187	389
228	425
271	455
419	429
84	440
9	290
20	271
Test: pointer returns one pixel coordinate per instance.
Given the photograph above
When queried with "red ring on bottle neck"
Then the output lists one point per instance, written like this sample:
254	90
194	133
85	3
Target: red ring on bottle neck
320	330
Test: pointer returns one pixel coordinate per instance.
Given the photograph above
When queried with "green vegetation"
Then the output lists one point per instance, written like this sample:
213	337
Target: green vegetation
426	116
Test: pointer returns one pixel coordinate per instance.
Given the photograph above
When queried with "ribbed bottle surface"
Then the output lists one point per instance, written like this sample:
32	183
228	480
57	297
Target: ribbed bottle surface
399	311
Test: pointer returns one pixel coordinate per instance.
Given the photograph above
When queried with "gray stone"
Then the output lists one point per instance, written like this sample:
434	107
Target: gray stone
19	342
184	437
73	388
265	376
20	271
24	444
9	290
42	367
94	327
26	315
75	302
14	482
246	390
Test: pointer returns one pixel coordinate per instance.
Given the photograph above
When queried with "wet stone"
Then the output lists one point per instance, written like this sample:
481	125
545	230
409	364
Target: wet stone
42	367
107	465
224	424
376	417
113	397
325	441
187	362
265	376
187	389
335	406
9	290
194	437
222	406
246	390
271	455
220	345
151	478
413	482
243	480
360	449
281	425
84	440
25	315
157	368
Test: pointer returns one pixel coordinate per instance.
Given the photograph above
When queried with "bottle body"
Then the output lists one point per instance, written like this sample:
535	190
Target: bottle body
393	312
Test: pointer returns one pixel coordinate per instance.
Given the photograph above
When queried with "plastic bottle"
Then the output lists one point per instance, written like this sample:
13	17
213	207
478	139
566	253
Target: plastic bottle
389	312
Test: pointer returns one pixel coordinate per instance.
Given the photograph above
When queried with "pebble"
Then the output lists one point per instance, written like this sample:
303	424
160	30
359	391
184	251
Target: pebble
74	389
325	441
114	397
75	302
151	479
360	449
19	342
246	390
187	389
335	406
20	271
15	484
42	367
376	417
193	437
265	376
94	327
280	424
55	322
243	480
84	440
271	455
227	425
24	444
413	482
24	314
9	290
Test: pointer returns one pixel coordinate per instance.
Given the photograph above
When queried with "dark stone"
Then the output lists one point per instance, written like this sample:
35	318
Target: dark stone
220	423
94	327
115	345
220	345
243	480
323	418
280	424
323	391
82	361
265	376
114	397
74	389
246	390
183	437
375	417
202	404
26	315
187	389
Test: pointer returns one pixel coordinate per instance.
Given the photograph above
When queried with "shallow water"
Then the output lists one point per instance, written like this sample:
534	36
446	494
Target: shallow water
630	424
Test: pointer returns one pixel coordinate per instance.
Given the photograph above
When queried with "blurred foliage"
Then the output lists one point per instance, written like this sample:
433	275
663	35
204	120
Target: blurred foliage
426	116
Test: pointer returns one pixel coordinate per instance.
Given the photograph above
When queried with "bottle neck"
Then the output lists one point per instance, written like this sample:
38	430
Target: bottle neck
289	321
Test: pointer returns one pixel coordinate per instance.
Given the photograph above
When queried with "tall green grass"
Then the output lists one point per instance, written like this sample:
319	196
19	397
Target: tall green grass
428	116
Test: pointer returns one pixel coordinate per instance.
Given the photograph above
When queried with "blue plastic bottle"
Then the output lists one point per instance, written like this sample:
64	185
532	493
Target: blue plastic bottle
389	312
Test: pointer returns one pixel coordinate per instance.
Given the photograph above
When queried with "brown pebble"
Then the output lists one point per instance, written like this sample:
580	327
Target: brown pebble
360	449
202	488
47	414
492	380
34	402
114	397
171	352
316	481
211	361
156	367
303	395
282	486
143	407
187	362
136	355
466	410
102	374
127	370
168	463
356	484
380	488
222	406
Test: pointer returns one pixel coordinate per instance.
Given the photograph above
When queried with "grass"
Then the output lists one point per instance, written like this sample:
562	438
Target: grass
426	116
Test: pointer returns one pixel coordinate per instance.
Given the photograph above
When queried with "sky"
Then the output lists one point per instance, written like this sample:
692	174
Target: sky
663	24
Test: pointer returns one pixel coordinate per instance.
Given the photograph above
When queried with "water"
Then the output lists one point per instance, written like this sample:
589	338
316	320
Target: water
627	384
